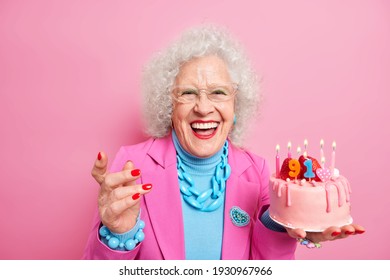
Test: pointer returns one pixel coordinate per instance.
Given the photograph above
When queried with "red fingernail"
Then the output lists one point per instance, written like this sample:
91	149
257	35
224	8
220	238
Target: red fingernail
335	233
360	231
147	187
349	232
99	157
136	196
135	172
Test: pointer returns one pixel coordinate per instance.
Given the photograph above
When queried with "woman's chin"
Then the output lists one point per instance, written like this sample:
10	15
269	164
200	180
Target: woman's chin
204	148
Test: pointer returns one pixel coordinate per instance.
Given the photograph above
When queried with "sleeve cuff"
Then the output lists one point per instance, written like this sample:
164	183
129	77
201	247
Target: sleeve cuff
271	224
123	237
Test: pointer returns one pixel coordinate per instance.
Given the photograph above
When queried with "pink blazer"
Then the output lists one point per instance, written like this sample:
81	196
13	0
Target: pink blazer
246	188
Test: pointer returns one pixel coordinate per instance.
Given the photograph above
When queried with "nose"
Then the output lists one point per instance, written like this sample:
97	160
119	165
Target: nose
203	104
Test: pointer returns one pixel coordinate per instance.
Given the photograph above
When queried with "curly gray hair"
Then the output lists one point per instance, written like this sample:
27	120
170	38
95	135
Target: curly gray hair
160	73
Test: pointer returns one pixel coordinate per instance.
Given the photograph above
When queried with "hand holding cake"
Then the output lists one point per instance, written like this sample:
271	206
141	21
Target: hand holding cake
329	234
309	199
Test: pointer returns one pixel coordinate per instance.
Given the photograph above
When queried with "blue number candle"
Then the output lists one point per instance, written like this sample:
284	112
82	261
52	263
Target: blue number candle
309	169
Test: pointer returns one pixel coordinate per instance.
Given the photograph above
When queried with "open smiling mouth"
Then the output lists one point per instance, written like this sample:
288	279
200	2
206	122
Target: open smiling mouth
204	130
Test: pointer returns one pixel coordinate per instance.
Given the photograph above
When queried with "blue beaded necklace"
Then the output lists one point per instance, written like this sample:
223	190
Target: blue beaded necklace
211	199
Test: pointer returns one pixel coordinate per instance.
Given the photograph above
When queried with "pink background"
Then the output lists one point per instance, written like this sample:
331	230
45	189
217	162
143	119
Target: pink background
69	85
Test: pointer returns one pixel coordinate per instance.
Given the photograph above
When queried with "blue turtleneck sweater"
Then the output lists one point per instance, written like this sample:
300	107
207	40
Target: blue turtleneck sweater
202	230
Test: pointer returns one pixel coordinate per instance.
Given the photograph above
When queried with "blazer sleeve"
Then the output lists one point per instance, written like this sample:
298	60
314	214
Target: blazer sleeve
96	249
268	244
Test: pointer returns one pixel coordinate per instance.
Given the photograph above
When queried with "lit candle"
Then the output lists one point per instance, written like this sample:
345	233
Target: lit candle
289	149
298	151
277	161
332	163
322	148
305	154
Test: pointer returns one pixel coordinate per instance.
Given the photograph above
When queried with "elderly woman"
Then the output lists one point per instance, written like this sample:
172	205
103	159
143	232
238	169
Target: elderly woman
190	191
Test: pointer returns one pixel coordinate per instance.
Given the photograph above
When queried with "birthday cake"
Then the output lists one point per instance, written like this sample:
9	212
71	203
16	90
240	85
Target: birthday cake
305	194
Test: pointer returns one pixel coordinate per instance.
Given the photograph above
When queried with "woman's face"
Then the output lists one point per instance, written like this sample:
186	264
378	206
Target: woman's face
202	126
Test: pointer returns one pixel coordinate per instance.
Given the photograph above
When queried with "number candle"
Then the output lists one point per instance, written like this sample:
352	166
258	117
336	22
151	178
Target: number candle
309	169
289	149
332	163
295	168
322	148
277	162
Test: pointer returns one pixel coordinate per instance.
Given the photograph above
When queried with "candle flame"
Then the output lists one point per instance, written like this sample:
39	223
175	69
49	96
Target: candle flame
305	143
299	150
277	148
334	145
289	145
323	160
322	143
305	154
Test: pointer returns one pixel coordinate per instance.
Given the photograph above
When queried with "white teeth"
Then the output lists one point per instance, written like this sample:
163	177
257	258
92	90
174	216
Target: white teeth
204	125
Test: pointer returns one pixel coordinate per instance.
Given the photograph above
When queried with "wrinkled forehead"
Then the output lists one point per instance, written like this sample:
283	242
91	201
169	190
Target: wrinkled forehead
203	71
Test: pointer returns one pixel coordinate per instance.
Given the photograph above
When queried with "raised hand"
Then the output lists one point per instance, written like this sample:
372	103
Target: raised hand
119	195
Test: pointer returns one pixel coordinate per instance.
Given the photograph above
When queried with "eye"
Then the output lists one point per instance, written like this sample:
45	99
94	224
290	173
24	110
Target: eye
219	92
188	92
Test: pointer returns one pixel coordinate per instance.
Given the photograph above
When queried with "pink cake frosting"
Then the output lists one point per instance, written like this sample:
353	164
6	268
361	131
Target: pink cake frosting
312	206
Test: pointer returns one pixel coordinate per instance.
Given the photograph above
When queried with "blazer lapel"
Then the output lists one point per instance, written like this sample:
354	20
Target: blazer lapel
164	201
